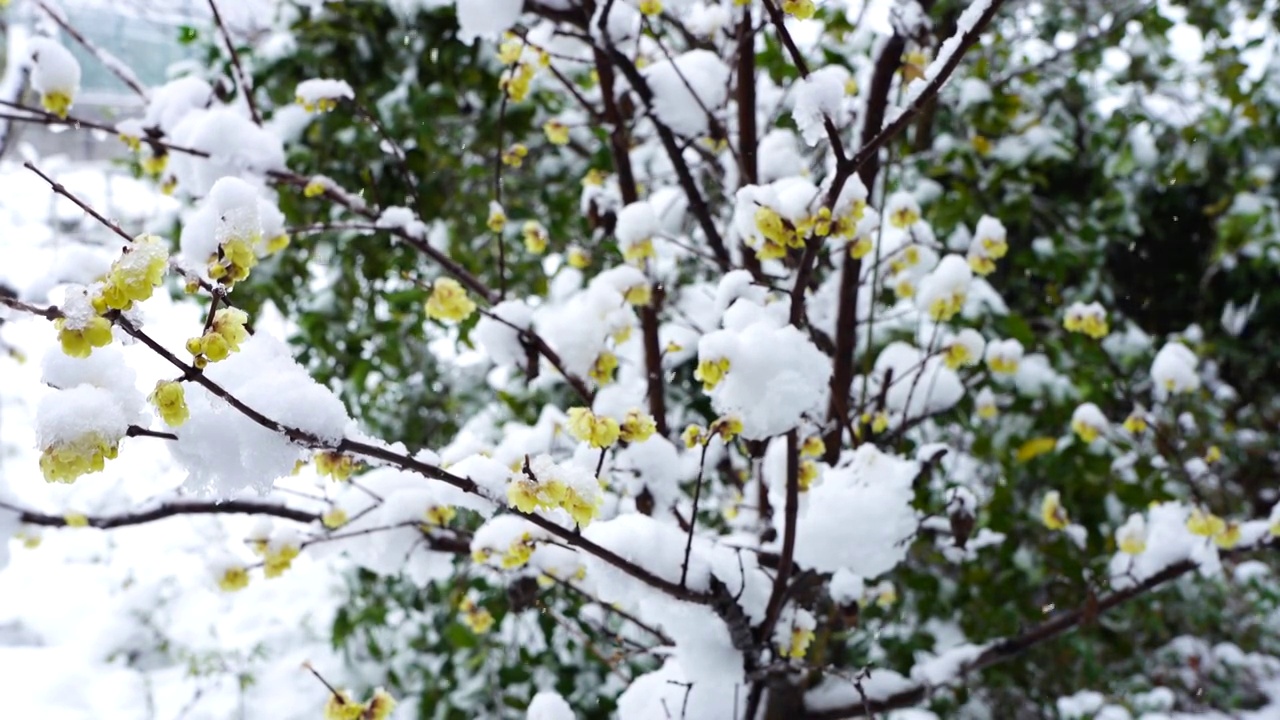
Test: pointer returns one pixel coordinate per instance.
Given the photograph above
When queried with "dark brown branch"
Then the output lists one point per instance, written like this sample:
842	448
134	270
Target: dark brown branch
241	78
58	188
1009	648
136	431
697	203
780	24
48	313
882	135
108	61
786	559
173	509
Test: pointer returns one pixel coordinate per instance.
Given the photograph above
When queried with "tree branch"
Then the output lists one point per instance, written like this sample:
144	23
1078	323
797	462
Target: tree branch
245	89
1011	647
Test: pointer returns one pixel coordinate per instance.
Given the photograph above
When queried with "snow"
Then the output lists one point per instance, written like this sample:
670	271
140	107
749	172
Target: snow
686	89
54	68
819	98
255	150
857	518
316	89
485	19
769	393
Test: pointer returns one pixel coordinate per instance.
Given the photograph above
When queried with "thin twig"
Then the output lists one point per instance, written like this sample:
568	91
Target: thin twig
241	78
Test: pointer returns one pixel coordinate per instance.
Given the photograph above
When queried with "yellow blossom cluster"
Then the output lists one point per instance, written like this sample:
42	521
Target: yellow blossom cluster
234	260
599	431
603	368
170	401
799	9
278	557
64	462
711	372
334	518
637	426
78	341
223	337
233	579
556	131
342	706
133	276
535	237
321	104
1226	535
439	515
1052	513
514	156
547	489
578	258
478	619
449	301
1088	319
335	465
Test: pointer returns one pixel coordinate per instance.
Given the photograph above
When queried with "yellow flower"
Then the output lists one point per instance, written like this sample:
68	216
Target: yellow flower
342	706
800	9
522	494
314	188
727	427
67	461
510	50
637	426
639	250
1213	454
516	81
651	7
79	342
477	618
1229	537
514	156
556	131
579	258
379	706
808	473
860	247
278	559
981	144
601	432
497	218
904	217
886	595
535	237
639	295
1135	424
56	102
798	643
518	553
1052	514
711	372
224	336
334	519
602	370
692	436
879	422
76	520
1205	524
1086	432
233	579
982	264
813	446
1133	545
170	401
594	178
153	165
580	509
449	301
440	515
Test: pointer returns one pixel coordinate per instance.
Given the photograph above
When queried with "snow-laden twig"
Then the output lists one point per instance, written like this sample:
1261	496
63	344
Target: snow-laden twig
1003	650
